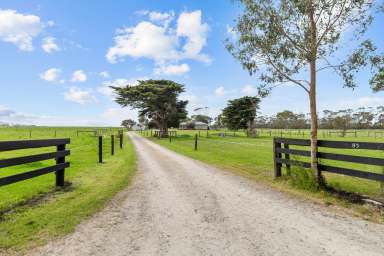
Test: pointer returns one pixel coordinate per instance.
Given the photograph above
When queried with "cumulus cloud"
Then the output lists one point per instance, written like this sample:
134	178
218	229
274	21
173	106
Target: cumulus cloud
49	45
78	95
19	29
163	17
172	69
146	40
79	76
165	45
51	75
190	25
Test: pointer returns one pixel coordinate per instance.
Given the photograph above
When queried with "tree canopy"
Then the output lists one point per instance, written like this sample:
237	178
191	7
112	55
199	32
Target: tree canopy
128	123
286	41
241	113
202	118
156	100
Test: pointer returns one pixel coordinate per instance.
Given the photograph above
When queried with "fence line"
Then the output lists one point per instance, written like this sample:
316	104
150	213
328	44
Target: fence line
59	155
278	150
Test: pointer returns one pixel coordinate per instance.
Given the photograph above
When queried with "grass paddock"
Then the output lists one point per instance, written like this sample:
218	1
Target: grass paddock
254	156
35	211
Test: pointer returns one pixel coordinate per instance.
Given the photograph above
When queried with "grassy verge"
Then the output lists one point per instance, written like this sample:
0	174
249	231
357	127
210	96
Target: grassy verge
253	158
34	212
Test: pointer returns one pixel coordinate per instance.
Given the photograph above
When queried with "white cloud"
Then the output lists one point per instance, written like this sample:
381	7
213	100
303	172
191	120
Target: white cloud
79	76
79	96
165	45
172	69
220	91
163	17
190	25
146	40
249	90
19	29
104	74
51	75
49	45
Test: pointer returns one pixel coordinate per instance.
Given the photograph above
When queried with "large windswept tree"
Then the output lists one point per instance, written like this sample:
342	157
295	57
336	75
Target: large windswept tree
293	40
241	114
156	100
128	123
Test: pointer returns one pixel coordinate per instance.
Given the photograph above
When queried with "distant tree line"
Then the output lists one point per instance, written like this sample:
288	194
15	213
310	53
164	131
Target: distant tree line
344	119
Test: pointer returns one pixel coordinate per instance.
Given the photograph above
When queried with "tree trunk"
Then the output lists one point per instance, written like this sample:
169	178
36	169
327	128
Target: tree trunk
251	129
312	95
313	111
163	130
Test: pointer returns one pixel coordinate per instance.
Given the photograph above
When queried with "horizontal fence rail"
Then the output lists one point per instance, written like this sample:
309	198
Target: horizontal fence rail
281	146
59	155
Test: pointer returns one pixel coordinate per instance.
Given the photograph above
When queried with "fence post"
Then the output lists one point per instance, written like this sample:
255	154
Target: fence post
170	137
277	166
121	137
286	155
100	149
60	173
112	144
196	141
30	134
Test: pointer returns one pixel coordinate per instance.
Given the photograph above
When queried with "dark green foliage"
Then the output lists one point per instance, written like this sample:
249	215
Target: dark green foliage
156	100
240	113
129	123
289	120
202	118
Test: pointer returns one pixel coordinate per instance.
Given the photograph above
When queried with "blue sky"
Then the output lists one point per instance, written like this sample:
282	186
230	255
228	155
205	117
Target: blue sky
58	57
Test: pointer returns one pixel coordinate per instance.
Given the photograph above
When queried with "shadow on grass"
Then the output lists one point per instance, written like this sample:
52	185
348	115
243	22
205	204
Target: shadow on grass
303	178
43	197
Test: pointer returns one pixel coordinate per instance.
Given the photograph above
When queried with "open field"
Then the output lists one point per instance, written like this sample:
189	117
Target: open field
253	156
34	211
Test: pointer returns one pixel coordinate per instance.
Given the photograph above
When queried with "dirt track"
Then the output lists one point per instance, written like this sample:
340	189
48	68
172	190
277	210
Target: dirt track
178	206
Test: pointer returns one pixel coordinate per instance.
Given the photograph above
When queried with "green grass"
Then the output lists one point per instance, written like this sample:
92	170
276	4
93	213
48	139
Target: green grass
34	211
253	156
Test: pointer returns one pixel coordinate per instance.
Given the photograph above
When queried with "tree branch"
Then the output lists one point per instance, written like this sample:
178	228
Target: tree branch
286	76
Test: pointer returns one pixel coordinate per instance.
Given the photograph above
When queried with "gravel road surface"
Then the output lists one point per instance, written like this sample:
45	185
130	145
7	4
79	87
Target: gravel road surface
179	206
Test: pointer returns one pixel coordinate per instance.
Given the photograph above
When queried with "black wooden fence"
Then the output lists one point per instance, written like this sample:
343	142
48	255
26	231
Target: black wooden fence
59	155
282	146
100	151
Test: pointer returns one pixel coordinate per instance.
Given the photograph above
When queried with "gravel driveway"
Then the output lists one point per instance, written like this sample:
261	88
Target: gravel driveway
179	206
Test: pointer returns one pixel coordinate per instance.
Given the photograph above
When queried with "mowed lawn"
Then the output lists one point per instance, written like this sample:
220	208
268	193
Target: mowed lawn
35	211
254	156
